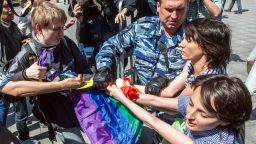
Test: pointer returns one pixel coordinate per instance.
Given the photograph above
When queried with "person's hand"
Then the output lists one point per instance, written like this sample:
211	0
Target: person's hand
155	86
102	78
26	40
36	72
70	23
120	17
116	92
78	11
72	83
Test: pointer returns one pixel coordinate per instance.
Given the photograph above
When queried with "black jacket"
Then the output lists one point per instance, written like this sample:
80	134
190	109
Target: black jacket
10	44
56	108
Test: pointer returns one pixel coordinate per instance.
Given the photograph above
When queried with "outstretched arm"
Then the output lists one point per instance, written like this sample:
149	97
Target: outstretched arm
164	129
30	88
158	102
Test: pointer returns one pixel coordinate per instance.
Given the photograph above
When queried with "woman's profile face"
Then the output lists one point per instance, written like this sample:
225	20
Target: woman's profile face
191	50
197	117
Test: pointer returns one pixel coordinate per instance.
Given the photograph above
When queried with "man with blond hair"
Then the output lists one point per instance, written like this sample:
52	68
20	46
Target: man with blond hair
61	55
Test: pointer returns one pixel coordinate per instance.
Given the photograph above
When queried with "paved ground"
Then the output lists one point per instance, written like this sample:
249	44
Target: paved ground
243	41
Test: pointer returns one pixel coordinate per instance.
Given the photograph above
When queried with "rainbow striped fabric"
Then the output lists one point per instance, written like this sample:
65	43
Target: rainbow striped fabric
104	119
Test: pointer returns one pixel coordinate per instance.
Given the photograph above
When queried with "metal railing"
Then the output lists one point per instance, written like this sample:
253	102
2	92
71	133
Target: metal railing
120	61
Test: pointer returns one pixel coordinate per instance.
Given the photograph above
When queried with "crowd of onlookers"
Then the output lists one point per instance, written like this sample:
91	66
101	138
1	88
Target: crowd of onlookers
179	50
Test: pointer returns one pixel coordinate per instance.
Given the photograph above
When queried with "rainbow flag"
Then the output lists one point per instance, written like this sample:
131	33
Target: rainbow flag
104	119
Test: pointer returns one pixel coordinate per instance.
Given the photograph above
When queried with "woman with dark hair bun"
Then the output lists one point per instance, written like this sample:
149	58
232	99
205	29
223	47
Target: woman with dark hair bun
214	106
206	47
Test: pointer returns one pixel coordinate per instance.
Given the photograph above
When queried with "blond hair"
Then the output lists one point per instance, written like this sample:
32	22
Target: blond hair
46	13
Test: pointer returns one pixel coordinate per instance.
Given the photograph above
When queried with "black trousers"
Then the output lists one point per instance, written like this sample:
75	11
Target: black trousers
149	136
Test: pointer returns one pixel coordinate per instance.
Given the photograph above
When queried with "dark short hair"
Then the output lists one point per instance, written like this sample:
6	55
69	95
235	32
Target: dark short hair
231	99
160	1
214	38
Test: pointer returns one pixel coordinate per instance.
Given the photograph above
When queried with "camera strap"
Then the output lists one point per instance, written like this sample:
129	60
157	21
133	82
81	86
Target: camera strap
164	51
25	11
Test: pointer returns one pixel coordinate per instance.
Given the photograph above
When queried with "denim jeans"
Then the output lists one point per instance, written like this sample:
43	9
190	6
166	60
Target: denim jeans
4	106
239	5
70	136
21	116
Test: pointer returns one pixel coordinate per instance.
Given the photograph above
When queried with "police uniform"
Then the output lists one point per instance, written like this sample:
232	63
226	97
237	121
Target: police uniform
143	37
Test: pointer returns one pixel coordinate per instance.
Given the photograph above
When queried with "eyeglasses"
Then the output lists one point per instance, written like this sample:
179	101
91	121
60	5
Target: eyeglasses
57	29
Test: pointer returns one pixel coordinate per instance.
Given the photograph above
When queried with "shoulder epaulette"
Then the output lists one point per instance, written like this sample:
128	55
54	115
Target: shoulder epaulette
31	55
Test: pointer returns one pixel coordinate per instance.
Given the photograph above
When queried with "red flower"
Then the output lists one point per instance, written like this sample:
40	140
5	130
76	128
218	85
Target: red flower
130	92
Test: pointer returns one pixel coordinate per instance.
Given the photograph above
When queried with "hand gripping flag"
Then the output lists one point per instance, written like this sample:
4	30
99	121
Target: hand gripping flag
129	91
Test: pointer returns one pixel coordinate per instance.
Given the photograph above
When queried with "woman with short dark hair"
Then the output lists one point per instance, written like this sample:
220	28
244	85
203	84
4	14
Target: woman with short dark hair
206	48
214	113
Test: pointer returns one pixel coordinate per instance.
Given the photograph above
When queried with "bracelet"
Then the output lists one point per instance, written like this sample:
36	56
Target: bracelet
65	27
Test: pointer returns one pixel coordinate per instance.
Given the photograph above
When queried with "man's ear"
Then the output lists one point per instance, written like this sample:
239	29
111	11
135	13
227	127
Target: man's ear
38	29
157	6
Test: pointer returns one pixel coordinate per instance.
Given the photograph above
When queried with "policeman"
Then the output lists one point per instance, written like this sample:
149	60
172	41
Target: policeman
154	41
155	44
